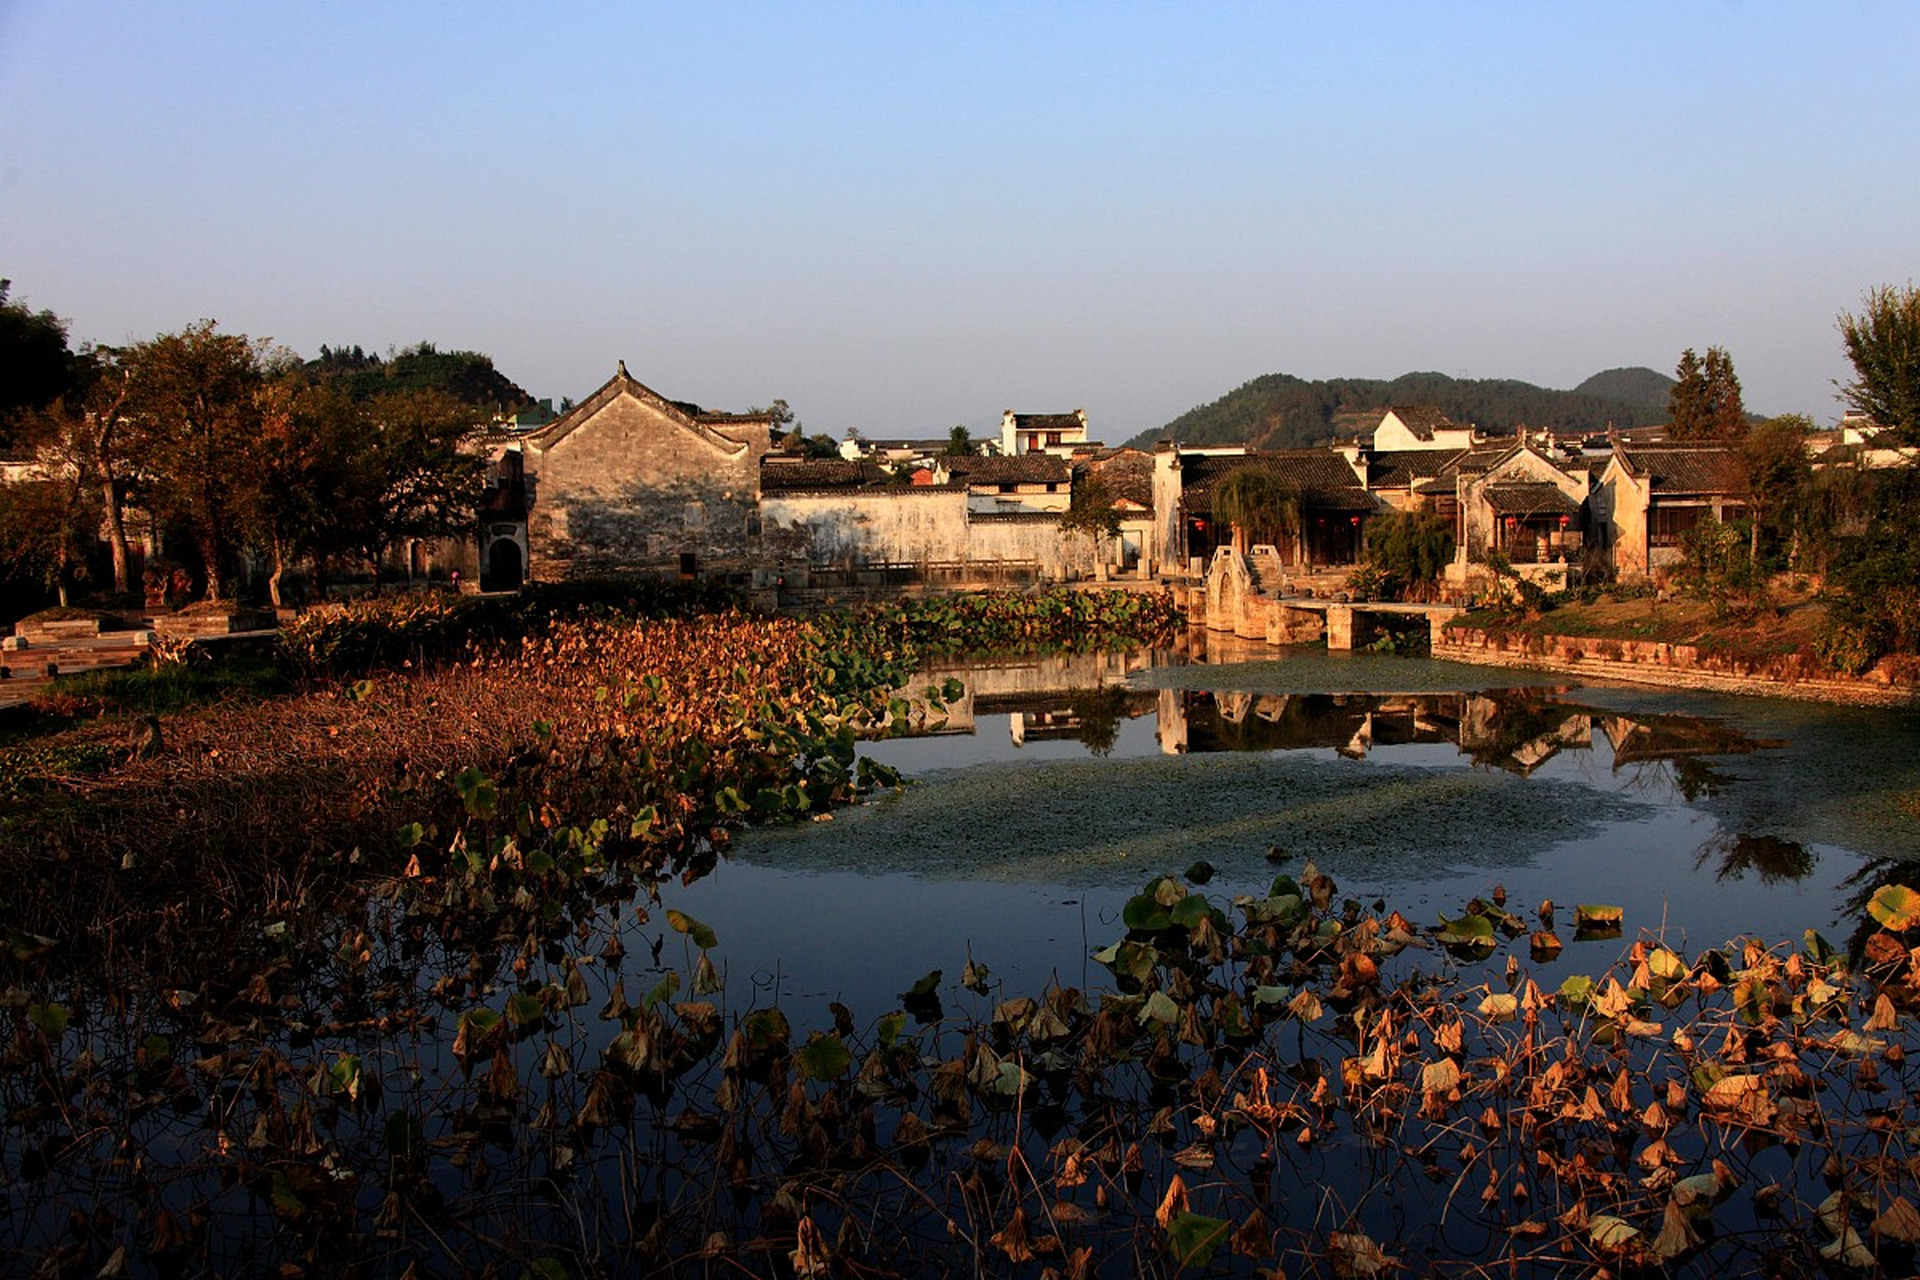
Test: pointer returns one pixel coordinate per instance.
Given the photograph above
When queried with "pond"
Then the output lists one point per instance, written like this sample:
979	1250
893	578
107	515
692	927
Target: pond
835	1028
1057	786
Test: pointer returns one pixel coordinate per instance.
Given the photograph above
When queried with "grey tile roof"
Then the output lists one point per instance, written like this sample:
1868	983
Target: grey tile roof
1684	468
1321	477
1023	468
1534	498
792	476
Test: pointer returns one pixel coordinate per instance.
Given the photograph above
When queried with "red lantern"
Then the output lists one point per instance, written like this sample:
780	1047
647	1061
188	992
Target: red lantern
1356	521
1563	521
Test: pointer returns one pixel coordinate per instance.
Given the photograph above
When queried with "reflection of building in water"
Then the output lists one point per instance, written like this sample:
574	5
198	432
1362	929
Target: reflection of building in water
1085	697
1521	732
1171	712
1670	738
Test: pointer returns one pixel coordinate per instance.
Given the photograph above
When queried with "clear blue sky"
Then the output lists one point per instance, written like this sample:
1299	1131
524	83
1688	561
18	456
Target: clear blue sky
905	216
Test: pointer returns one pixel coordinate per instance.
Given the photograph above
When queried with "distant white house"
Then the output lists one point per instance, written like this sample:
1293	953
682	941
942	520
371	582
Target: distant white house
1407	427
1056	433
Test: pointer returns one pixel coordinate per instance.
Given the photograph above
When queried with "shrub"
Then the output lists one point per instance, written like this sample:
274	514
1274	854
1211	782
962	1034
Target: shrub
1719	568
386	631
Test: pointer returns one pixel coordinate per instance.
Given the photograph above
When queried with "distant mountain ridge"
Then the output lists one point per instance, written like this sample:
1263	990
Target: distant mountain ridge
1280	411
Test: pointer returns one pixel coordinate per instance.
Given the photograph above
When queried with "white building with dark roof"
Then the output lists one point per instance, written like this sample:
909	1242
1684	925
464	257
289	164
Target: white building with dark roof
1058	433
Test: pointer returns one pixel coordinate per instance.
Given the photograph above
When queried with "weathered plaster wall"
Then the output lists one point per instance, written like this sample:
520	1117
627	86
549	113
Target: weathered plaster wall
634	488
890	526
1166	544
1620	502
1029	538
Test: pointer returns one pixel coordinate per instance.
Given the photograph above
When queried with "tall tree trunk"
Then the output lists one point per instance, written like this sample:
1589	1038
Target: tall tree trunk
279	568
210	563
116	531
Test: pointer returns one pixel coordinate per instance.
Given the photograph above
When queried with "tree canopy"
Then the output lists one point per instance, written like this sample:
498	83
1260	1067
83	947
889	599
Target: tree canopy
1090	511
1258	505
466	376
1705	402
36	366
1883	344
1775	471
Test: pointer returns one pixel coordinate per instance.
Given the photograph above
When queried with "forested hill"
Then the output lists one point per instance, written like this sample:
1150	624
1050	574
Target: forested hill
1280	411
1637	385
466	375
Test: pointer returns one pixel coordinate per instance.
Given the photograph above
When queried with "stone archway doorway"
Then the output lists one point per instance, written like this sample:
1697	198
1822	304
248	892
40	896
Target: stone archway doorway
504	571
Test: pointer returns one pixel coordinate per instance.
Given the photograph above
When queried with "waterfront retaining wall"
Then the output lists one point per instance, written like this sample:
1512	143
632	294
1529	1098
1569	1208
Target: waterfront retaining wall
1679	666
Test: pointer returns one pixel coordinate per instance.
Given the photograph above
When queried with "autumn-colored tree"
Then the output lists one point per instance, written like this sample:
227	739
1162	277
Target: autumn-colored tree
79	437
50	515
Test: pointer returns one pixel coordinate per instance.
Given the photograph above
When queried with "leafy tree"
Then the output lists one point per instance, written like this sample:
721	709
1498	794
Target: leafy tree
1258	507
36	367
467	376
47	526
1410	550
1775	471
1874	579
193	411
301	475
82	435
1090	511
409	475
960	443
1705	402
1883	344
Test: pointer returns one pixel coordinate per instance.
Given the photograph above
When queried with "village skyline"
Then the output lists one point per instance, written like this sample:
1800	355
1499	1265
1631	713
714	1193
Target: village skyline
899	221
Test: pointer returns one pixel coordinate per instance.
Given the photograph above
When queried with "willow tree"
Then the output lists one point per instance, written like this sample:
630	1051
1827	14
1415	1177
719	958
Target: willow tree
1259	506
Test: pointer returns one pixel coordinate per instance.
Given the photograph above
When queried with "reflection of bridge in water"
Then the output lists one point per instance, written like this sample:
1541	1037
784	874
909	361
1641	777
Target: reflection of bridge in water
1086	697
1256	600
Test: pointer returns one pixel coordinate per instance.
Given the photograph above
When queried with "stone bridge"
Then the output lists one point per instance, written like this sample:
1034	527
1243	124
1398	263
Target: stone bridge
1236	600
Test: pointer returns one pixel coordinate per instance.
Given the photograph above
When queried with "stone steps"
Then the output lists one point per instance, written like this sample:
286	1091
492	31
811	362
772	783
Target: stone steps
26	670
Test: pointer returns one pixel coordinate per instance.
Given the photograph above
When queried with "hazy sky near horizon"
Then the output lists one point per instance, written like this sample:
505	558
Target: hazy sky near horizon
899	217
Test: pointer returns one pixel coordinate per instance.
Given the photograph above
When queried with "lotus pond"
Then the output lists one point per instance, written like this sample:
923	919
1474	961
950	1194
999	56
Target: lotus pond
1048	794
1153	966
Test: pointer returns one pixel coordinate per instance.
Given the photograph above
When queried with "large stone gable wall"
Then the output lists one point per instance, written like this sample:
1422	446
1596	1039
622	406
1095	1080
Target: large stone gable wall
635	488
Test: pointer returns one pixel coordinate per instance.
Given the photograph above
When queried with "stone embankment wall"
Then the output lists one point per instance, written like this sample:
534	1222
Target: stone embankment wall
1675	666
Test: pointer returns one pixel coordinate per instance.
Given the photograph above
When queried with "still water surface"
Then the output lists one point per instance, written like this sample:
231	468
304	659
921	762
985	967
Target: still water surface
1058	786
